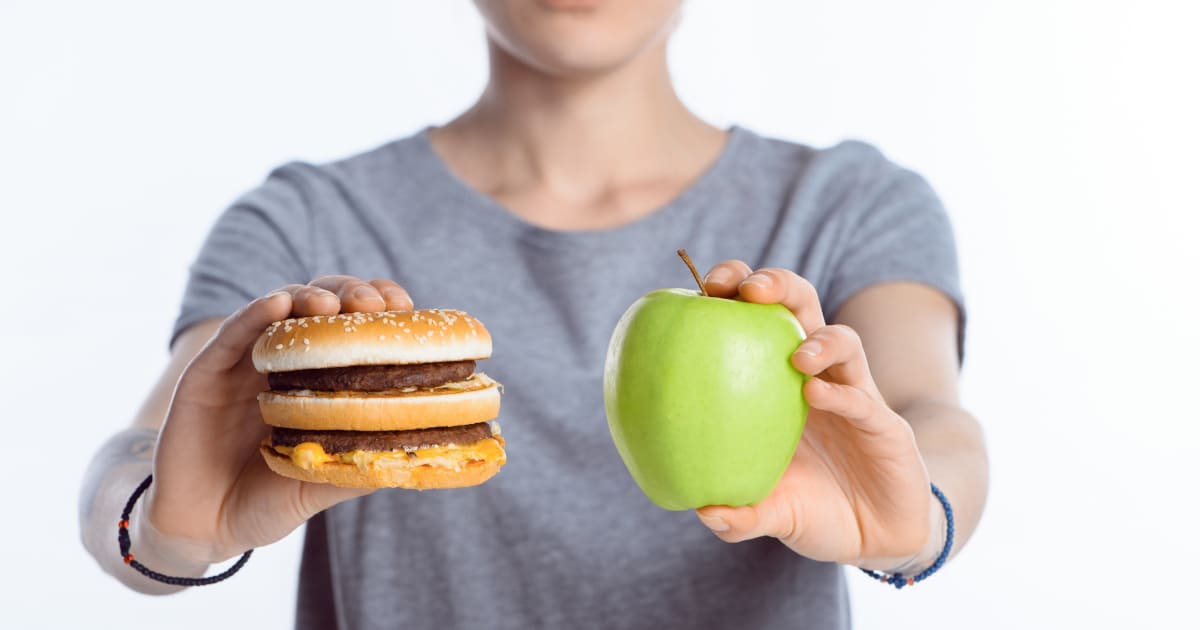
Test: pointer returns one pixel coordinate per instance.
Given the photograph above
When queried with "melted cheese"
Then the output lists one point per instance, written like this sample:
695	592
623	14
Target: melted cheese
309	455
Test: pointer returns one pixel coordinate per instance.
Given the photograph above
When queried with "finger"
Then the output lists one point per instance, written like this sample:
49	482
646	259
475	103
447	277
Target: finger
780	286
264	507
356	296
308	300
394	295
318	497
239	331
735	524
723	279
836	352
848	402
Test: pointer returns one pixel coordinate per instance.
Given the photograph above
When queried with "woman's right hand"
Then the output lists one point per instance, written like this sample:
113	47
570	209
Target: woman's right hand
213	497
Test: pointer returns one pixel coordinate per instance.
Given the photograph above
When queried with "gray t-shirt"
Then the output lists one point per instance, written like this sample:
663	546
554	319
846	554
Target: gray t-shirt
562	537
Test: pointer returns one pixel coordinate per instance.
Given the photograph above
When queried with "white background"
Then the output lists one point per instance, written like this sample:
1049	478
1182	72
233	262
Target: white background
1062	135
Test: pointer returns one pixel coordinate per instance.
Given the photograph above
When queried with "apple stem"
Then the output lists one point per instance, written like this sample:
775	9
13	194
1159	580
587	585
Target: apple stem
688	261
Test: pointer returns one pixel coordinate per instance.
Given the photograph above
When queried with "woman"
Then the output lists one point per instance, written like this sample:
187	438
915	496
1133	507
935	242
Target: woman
545	209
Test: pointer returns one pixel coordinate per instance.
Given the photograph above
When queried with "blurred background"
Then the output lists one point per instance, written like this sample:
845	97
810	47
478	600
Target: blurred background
1063	136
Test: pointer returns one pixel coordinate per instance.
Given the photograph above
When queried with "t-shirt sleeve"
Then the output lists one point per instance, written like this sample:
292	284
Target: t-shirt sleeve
899	233
258	244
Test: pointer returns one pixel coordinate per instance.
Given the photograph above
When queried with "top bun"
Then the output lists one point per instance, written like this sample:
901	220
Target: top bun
386	338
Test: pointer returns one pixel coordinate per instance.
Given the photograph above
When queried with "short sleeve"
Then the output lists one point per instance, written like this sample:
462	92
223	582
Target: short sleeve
901	233
258	244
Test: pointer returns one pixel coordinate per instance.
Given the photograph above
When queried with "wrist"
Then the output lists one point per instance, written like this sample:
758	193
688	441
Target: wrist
166	553
923	558
185	556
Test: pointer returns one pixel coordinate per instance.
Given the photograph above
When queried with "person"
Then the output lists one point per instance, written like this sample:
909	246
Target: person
545	209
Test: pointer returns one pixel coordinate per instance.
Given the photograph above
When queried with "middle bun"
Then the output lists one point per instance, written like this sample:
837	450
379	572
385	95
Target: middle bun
388	411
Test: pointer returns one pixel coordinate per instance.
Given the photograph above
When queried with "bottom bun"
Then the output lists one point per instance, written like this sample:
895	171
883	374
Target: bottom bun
412	476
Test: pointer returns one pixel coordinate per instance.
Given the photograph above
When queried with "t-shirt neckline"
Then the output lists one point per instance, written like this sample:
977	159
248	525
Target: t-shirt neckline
497	216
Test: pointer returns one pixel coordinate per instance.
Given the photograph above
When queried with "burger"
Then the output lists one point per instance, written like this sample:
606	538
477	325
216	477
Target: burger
374	400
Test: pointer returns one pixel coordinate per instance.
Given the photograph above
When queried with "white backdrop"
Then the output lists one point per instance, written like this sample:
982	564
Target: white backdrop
1062	135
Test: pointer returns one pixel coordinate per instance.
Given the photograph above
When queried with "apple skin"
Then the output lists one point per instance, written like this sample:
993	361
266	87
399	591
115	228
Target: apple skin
702	400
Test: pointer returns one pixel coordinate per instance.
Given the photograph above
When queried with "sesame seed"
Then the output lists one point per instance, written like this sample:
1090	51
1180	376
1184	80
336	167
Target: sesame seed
429	334
306	341
279	346
382	337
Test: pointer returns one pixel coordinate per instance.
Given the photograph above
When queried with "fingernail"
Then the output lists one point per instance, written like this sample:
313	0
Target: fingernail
760	280
366	293
811	348
718	276
274	294
396	295
715	523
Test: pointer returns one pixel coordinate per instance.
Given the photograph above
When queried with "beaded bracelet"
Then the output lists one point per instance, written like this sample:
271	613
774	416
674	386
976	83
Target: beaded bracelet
123	542
898	580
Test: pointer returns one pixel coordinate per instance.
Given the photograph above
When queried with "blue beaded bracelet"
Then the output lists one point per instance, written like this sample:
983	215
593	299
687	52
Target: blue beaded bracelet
898	580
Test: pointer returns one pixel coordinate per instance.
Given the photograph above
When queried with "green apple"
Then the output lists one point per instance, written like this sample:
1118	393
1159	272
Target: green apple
703	403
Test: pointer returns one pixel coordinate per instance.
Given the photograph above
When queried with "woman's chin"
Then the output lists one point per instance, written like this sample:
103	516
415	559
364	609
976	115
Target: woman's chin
575	42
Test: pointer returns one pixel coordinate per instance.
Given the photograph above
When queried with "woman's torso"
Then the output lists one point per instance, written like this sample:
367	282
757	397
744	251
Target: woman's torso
562	537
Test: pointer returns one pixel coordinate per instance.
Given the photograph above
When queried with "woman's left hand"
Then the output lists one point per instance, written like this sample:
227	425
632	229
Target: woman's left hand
856	491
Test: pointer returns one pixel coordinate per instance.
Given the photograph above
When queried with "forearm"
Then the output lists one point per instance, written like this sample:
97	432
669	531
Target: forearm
116	470
951	443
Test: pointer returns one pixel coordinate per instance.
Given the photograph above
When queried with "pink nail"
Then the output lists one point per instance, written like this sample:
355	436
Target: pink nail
715	523
760	280
811	348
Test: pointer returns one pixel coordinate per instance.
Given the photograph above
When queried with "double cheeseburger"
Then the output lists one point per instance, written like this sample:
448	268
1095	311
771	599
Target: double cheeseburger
374	400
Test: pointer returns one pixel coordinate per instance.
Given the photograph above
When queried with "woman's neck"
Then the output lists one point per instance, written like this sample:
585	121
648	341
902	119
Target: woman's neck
579	152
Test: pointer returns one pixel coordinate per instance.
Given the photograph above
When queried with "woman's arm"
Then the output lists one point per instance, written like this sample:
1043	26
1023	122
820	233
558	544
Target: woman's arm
199	432
121	464
910	335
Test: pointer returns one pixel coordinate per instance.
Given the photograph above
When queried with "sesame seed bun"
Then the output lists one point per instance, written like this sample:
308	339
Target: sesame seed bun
468	468
386	338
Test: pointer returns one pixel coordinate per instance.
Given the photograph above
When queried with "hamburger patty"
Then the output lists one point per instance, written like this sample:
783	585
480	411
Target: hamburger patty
373	378
346	441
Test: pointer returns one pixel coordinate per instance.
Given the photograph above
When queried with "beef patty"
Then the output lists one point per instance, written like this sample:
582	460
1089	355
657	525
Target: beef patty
373	378
346	441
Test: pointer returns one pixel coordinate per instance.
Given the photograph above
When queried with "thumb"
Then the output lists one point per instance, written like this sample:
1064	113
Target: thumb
735	524
239	331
